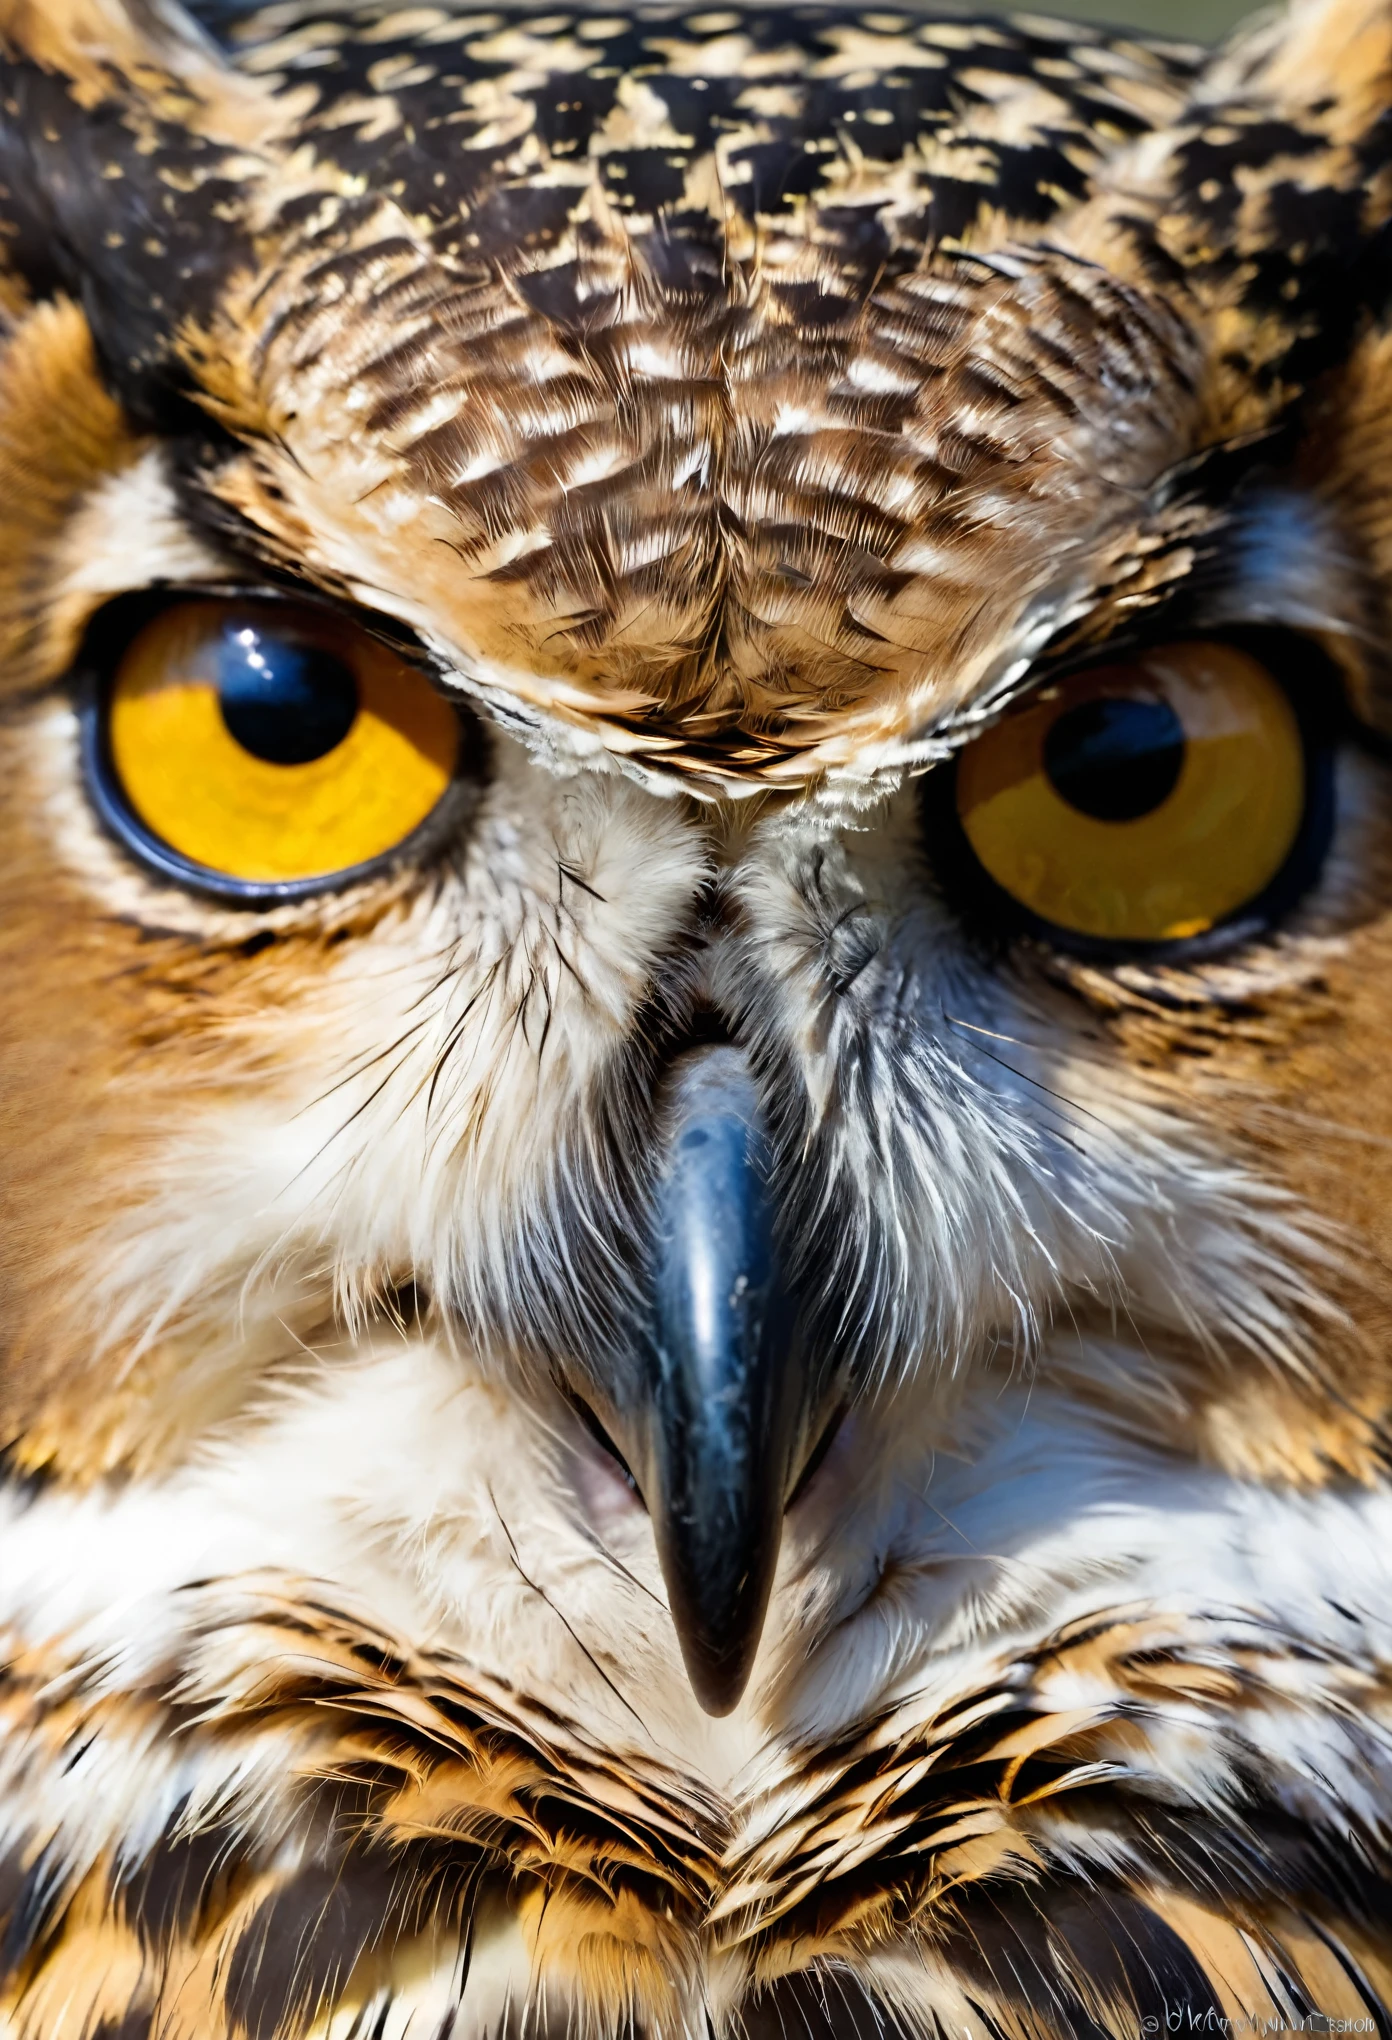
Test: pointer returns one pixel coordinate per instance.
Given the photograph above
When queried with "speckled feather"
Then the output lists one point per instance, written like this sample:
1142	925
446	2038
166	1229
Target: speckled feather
709	350
413	1794
698	385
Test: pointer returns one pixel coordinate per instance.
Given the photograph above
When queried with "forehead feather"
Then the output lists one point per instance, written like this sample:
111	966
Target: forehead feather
620	356
738	389
727	536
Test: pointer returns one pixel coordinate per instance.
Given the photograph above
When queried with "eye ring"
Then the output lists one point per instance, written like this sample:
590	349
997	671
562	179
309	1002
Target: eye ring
111	635
1312	687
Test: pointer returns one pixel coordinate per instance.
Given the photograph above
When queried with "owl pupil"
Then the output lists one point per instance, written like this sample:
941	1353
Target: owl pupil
283	701
1115	759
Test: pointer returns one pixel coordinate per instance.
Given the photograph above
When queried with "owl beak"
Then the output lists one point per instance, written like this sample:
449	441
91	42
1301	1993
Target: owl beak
717	1450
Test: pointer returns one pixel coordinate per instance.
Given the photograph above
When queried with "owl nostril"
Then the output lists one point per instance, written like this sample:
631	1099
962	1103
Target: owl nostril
594	1424
817	1457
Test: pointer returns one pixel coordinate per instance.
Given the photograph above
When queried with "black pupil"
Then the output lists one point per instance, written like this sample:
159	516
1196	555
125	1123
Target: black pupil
283	700
1115	759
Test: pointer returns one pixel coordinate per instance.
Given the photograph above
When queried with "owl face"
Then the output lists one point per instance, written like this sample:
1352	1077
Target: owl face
697	923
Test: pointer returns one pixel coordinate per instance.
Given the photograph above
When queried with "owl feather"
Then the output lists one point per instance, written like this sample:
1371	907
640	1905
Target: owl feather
740	420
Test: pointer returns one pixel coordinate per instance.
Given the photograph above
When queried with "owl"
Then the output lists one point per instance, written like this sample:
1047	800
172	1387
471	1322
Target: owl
696	1022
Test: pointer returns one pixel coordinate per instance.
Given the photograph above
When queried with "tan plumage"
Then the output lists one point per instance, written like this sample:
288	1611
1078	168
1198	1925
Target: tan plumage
737	415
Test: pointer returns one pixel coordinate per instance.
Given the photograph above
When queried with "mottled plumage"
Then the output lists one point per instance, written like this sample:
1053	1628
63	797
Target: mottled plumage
736	414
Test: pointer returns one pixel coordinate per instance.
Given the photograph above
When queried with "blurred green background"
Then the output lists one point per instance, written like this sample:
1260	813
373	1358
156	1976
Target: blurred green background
1205	20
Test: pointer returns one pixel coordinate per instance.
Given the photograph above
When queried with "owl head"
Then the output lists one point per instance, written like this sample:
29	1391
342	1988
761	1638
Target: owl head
697	895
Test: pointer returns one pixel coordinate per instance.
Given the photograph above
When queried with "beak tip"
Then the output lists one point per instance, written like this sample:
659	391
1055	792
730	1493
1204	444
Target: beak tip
718	1661
717	1692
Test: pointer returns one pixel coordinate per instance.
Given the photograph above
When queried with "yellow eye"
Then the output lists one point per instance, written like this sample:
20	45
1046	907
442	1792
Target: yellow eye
1144	802
272	744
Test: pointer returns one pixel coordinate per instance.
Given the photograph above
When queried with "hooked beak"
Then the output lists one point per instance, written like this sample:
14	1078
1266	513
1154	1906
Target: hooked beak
718	1432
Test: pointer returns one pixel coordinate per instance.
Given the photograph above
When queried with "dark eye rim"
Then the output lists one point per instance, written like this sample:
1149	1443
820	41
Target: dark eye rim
1314	689
113	630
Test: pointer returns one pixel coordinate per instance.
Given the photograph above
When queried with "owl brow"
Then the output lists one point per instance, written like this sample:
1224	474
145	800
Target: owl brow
1217	596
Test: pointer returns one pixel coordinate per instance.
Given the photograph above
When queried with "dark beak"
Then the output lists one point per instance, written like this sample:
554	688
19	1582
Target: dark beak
720	1436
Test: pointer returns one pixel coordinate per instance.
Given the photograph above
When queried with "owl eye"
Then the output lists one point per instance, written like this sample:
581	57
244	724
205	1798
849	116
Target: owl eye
1149	802
263	748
